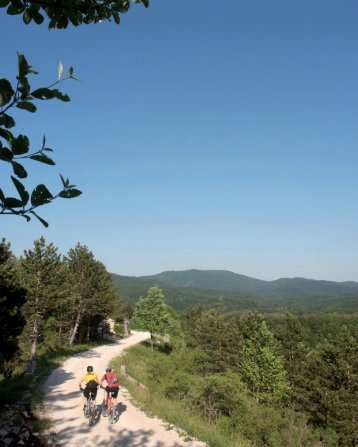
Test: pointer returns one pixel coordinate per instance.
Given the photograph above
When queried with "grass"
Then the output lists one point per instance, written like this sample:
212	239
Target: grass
175	413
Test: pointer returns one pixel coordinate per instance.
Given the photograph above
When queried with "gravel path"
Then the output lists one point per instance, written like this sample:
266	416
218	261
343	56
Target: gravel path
63	404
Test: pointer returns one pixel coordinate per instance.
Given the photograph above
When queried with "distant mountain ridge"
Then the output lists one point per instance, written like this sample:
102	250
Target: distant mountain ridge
239	292
288	288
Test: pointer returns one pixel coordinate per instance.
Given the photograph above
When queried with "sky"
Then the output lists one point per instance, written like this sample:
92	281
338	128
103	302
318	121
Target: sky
203	135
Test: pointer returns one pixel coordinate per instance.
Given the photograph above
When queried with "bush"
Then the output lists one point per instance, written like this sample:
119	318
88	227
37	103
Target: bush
179	386
222	395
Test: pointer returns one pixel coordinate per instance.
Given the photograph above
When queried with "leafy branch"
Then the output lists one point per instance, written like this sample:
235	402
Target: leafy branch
63	12
17	148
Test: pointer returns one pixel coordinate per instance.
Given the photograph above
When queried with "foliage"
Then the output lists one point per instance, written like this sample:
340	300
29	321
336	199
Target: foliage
14	150
261	368
54	292
291	335
61	12
219	403
12	297
330	384
93	293
44	277
153	315
338	298
212	332
222	396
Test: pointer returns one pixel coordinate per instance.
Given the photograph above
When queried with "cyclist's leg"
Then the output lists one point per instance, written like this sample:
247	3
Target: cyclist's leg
84	396
115	394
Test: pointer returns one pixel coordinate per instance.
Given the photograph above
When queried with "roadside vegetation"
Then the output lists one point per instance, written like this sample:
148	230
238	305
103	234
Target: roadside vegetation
284	382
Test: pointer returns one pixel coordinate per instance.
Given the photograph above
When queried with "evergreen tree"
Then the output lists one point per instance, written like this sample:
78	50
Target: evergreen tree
291	336
330	386
12	297
262	370
43	276
93	293
219	339
152	314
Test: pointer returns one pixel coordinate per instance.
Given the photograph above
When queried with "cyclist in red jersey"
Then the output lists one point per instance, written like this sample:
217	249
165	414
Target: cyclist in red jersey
112	384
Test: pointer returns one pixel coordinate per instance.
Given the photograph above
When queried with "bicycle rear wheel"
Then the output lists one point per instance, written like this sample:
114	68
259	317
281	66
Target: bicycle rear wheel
91	411
112	414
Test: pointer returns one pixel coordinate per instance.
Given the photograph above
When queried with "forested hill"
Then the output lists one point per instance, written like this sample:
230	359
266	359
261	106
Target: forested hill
185	288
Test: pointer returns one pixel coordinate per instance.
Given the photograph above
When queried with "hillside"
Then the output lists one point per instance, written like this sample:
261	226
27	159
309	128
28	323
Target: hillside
239	292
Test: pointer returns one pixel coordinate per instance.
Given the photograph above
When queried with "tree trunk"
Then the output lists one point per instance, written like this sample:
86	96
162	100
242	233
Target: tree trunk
35	332
125	325
75	328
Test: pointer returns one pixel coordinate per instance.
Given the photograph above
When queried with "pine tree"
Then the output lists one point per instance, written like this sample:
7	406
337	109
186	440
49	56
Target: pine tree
43	276
330	386
291	336
219	339
94	294
12	298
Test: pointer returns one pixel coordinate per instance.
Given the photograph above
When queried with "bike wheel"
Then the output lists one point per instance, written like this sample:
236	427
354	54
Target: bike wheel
112	414
91	415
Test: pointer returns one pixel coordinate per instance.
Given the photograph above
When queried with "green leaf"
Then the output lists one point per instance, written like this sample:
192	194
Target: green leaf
6	134
63	181
29	106
18	169
6	92
145	3
27	17
42	158
2	197
40	219
14	10
38	18
4	3
6	154
20	145
70	71
46	93
23	66
61	96
70	193
42	93
11	202
7	121
116	17
40	196
21	190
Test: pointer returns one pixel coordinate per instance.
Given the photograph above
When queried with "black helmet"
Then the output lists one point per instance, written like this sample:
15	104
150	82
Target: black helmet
109	370
89	369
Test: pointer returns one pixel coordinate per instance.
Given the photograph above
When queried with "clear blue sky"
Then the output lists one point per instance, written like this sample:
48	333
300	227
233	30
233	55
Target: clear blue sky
203	134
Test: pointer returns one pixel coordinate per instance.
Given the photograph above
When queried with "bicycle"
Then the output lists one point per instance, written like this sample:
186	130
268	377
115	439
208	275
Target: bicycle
109	409
89	409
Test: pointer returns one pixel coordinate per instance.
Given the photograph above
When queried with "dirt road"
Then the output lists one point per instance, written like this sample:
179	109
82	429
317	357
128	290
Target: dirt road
63	404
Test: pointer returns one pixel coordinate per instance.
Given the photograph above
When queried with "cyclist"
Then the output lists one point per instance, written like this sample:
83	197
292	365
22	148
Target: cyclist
112	385
90	379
